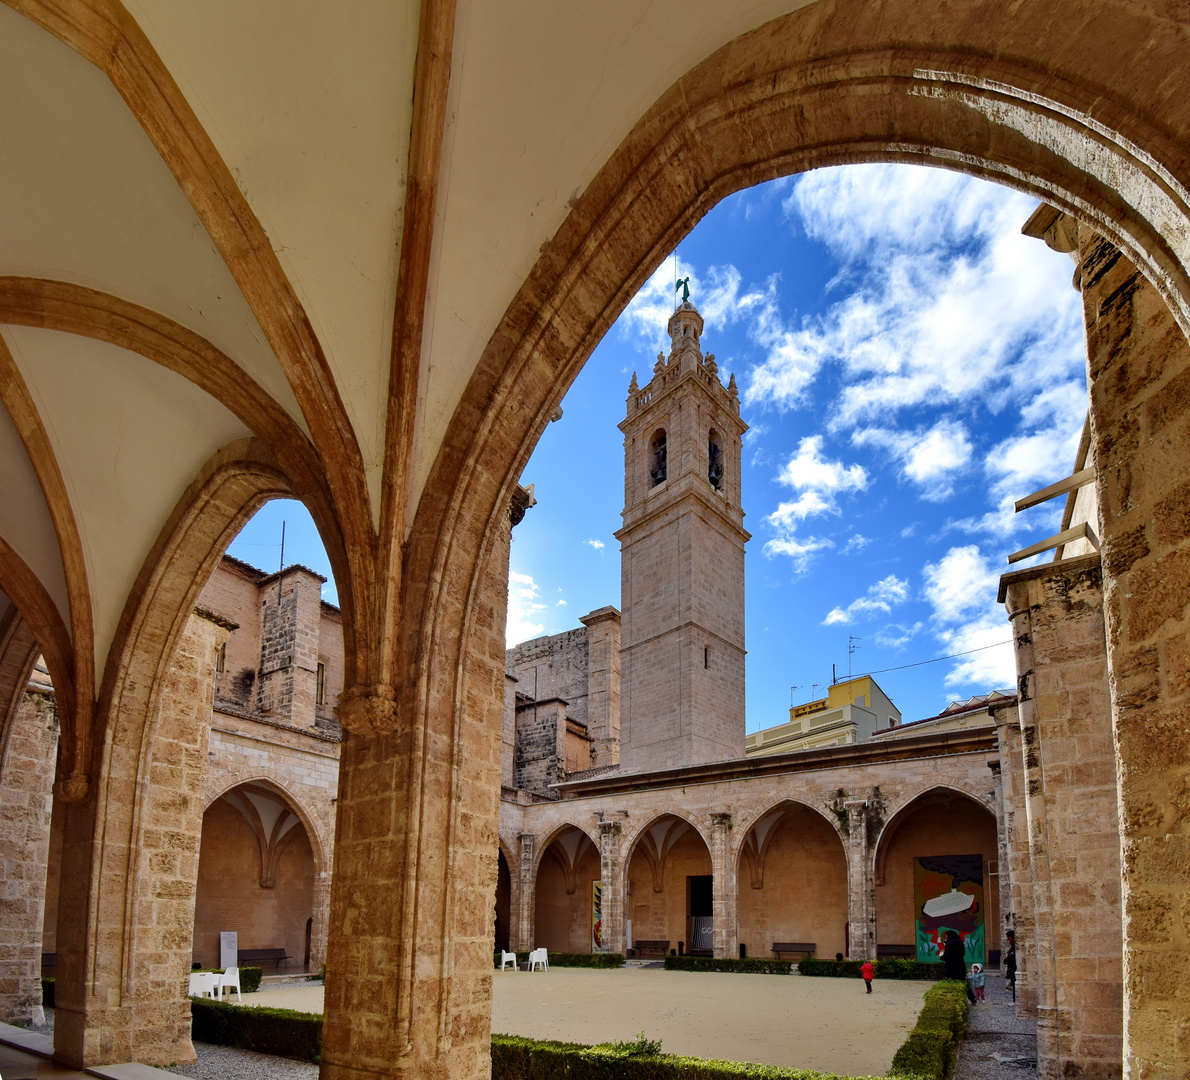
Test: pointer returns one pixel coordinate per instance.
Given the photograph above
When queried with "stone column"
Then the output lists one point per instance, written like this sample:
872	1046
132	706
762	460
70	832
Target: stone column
322	904
521	934
611	872
1140	436
861	897
26	800
1070	801
995	934
129	867
1016	830
725	889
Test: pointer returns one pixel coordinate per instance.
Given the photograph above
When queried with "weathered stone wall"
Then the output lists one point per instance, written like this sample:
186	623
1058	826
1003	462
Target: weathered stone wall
603	685
232	592
1070	801
555	667
290	618
540	745
27	765
330	655
1140	424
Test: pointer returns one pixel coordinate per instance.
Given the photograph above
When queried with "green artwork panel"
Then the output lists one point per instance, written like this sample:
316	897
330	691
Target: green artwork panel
948	895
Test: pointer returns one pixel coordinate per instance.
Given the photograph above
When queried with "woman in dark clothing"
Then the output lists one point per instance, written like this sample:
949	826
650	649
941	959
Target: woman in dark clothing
1010	964
954	961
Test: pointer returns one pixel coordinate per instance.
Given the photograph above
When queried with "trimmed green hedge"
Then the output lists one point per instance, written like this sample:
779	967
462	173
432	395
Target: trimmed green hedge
282	1032
572	959
515	1058
47	993
249	978
885	969
749	967
929	1050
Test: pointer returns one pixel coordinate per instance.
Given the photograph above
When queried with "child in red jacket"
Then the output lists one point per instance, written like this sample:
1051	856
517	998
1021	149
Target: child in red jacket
869	973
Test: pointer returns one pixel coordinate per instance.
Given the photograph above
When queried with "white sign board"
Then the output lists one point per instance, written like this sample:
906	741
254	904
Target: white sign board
229	946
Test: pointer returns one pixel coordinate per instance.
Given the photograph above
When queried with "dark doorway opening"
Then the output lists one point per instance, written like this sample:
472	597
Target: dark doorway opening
700	911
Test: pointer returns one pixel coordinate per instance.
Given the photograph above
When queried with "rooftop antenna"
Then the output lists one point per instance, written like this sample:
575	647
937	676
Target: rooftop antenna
851	647
281	563
813	691
795	686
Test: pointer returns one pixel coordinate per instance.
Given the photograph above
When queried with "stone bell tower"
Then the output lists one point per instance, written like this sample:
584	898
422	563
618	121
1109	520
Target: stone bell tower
682	562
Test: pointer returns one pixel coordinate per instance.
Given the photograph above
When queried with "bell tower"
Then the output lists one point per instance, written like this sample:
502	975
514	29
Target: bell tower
682	562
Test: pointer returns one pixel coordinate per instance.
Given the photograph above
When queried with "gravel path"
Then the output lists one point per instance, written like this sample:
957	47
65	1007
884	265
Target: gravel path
998	1045
224	1062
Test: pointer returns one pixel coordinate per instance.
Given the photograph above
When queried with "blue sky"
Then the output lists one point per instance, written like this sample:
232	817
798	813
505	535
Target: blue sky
909	364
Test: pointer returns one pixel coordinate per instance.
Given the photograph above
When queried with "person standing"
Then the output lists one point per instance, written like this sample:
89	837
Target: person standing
954	961
977	980
868	972
1010	964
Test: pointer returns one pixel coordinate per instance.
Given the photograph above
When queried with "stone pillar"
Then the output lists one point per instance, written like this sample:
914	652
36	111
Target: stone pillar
129	867
26	800
725	888
1016	831
322	904
611	872
995	934
1069	774
861	896
1140	436
409	956
521	934
603	685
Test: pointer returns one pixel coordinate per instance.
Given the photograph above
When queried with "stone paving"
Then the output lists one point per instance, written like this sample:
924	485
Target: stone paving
998	1045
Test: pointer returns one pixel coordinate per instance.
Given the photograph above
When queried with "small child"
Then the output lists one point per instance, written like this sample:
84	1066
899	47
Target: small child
869	973
977	980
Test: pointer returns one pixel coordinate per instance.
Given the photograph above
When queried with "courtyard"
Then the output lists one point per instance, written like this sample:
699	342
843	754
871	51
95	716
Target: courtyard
826	1024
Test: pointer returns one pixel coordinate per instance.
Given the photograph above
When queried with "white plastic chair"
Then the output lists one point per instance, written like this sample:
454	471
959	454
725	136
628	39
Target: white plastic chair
229	980
507	958
204	984
539	956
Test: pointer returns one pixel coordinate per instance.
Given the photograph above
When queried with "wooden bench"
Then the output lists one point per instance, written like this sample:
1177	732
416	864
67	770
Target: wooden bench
806	948
661	947
263	956
896	952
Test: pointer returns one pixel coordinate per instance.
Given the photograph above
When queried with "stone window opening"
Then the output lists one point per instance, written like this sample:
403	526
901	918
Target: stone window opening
706	656
714	460
320	685
220	658
657	452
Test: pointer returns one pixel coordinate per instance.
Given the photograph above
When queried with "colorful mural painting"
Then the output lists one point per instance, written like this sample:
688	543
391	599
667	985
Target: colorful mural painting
948	895
596	915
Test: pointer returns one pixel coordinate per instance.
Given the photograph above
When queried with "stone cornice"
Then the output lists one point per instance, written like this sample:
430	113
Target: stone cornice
939	744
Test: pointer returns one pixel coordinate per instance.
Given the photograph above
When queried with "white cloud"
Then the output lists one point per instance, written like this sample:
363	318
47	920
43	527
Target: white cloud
561	603
896	636
961	587
598	545
855	544
799	551
929	457
947	301
523	604
808	470
880	597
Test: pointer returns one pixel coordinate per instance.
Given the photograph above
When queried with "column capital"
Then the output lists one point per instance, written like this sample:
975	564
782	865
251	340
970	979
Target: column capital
609	828
368	711
721	820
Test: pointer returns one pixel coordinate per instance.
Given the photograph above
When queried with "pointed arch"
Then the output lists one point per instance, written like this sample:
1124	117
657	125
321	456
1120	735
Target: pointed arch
909	804
757	833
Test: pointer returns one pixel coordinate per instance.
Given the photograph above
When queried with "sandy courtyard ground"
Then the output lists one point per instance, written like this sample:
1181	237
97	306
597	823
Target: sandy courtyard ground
827	1024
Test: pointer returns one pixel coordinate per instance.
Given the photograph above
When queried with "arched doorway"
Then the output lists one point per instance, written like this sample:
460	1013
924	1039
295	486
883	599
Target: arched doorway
943	842
256	875
562	899
792	883
670	887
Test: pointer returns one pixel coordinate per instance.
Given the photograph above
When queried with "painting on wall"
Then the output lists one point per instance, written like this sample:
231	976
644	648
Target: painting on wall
596	915
948	895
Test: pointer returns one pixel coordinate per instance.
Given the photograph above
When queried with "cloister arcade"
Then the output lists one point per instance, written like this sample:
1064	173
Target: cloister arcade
188	332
